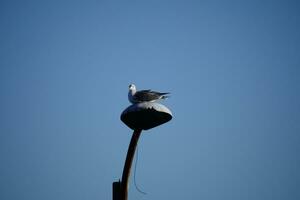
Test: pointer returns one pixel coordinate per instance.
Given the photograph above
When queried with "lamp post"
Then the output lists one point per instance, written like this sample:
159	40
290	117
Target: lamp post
141	116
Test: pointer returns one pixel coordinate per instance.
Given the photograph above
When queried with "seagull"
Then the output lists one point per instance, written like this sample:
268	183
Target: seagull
144	95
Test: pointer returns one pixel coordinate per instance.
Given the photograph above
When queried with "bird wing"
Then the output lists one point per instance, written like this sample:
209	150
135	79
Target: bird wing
148	95
144	91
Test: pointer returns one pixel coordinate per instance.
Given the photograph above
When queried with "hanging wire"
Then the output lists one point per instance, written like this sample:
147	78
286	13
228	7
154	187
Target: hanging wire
134	176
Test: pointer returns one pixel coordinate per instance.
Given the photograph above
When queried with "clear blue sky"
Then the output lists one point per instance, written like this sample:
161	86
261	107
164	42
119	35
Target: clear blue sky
232	67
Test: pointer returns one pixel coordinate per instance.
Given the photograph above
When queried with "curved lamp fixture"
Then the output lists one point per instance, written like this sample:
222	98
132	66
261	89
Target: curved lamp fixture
138	117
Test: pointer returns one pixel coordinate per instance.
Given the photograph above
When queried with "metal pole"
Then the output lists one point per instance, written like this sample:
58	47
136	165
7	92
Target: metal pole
120	190
128	162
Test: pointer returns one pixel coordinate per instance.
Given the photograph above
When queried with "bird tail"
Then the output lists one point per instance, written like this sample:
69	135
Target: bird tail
164	97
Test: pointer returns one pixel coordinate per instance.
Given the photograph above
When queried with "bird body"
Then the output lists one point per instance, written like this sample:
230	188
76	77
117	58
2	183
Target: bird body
135	96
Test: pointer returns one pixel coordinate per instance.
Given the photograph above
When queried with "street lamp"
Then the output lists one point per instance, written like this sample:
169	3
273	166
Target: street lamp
138	117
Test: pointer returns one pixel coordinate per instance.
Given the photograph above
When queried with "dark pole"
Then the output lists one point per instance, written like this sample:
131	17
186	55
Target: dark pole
138	117
122	192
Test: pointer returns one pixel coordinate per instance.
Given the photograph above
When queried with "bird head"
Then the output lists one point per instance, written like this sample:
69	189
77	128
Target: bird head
132	87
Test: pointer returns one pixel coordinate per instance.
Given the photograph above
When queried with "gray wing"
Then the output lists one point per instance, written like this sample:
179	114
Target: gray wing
148	95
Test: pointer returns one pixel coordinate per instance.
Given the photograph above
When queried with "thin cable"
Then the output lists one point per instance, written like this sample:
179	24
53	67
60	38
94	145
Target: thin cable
136	161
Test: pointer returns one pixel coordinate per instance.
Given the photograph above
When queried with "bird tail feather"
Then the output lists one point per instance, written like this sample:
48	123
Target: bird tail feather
164	97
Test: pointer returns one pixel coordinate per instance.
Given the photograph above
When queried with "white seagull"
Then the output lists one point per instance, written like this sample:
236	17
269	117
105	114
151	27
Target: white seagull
144	95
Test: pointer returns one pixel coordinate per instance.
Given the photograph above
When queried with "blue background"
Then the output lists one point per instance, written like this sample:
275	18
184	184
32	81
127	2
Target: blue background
232	68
